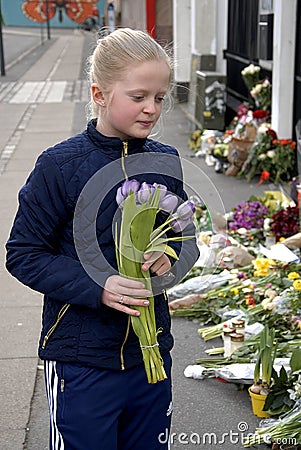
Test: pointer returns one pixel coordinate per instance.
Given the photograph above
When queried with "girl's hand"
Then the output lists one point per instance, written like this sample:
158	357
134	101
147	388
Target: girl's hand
120	293
156	262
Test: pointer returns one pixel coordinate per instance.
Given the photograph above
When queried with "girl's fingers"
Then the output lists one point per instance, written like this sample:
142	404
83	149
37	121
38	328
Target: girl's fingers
122	294
159	267
124	306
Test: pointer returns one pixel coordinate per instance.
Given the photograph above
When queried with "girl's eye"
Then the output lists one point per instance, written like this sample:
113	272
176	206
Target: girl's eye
159	99
138	98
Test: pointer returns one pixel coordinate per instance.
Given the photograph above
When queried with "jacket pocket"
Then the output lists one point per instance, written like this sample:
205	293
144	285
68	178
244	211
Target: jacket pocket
52	329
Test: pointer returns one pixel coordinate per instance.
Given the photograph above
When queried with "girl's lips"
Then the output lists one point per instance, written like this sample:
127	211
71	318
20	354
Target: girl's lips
145	123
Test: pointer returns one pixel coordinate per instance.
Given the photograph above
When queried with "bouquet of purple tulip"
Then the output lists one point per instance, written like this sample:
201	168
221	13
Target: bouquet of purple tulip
136	237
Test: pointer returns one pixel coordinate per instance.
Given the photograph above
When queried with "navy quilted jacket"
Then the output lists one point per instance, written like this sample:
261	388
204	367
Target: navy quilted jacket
61	244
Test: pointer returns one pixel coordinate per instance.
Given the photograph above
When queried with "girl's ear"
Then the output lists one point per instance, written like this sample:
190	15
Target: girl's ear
97	95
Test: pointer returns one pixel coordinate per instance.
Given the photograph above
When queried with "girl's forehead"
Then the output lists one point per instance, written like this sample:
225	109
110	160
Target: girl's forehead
148	71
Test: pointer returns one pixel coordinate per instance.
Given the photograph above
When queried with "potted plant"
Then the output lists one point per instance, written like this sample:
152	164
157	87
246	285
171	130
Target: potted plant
285	390
263	371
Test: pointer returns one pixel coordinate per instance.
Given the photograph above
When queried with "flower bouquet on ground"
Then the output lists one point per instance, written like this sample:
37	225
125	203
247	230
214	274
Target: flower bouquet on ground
248	214
261	154
195	140
220	152
285	222
137	236
285	431
283	159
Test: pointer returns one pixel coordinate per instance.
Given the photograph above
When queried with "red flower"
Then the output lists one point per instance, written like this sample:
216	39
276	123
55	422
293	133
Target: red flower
265	175
272	133
285	222
284	142
260	114
250	301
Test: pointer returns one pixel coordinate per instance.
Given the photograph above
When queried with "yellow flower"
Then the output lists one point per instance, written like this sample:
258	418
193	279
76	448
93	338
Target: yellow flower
199	142
297	285
262	272
196	134
235	291
221	294
262	266
293	276
191	144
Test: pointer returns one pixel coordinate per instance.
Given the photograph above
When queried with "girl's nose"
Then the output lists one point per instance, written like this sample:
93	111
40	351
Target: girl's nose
150	106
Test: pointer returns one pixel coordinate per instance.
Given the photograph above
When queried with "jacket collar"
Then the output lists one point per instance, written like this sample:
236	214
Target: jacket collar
113	145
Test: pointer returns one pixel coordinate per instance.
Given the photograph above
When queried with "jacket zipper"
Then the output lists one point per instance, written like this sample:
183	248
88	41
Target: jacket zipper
51	330
124	154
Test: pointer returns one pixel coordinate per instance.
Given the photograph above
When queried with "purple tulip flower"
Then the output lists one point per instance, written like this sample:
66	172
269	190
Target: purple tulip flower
163	189
144	193
168	203
129	186
183	216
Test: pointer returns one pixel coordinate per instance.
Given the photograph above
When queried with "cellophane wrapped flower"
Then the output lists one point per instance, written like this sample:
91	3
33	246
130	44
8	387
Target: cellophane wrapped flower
248	215
140	204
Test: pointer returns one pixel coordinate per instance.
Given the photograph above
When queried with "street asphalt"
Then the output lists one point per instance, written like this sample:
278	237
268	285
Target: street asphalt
42	101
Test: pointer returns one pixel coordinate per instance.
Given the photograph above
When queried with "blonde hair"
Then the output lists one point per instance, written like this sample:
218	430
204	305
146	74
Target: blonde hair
116	52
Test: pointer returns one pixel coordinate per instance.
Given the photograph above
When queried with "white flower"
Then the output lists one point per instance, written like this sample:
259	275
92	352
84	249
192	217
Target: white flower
270	294
204	237
247	290
293	394
242	231
267	304
262	156
271	154
266	224
263	128
250	70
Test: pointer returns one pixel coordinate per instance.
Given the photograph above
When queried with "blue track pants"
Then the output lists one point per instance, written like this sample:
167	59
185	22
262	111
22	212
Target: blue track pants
95	409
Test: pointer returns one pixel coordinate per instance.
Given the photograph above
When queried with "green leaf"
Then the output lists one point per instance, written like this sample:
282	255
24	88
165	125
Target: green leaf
295	361
163	248
170	252
283	375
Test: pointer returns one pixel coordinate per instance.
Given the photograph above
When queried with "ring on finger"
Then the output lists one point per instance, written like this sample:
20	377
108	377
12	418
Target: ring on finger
121	300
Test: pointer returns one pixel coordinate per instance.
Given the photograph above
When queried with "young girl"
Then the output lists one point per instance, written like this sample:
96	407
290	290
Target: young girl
98	393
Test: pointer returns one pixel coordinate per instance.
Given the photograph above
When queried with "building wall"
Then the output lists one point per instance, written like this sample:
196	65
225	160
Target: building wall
13	15
164	21
132	16
203	19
